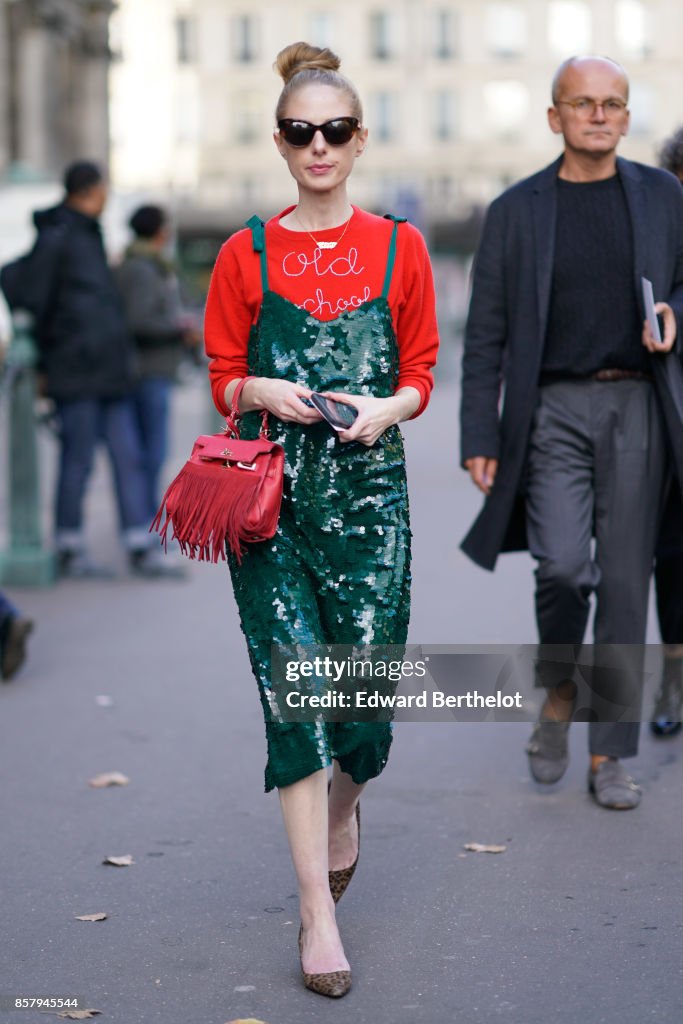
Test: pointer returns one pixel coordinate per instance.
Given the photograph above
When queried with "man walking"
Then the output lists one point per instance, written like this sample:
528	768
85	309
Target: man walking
667	714
557	317
86	352
150	291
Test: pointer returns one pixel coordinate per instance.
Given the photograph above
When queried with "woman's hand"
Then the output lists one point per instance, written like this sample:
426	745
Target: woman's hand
375	415
282	398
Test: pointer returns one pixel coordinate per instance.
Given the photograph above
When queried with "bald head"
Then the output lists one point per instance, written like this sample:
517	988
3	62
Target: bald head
569	68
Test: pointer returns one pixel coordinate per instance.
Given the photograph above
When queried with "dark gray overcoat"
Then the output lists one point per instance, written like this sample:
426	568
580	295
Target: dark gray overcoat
506	330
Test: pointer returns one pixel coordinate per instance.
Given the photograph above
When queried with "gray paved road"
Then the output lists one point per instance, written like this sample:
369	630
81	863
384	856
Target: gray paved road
579	920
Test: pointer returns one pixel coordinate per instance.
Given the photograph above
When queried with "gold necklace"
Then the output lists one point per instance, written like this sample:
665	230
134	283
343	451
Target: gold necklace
324	245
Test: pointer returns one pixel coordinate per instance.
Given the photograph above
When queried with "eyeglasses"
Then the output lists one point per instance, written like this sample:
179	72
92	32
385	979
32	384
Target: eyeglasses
336	132
586	107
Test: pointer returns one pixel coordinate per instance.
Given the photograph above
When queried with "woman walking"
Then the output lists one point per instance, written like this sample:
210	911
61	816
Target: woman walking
324	297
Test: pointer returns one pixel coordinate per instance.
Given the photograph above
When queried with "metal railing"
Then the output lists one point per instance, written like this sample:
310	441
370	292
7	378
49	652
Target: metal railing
25	560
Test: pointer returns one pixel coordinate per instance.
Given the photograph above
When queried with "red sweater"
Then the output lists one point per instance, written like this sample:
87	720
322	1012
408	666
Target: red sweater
325	282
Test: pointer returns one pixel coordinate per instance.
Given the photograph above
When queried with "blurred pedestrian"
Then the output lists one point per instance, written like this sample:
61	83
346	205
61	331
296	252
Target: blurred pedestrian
557	316
667	713
14	632
87	357
328	297
163	333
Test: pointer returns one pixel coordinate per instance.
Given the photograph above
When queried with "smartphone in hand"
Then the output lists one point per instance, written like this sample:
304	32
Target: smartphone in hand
655	320
339	415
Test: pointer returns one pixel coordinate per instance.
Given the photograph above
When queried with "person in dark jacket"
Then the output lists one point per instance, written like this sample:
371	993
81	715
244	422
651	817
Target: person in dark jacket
667	713
591	399
87	357
151	296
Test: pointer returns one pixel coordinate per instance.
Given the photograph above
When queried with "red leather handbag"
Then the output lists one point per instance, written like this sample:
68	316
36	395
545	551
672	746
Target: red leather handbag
228	492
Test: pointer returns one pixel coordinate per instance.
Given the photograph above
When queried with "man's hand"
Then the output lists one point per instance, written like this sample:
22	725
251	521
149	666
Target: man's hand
667	343
482	471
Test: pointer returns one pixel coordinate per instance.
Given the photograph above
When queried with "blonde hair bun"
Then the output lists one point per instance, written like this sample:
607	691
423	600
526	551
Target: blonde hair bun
301	65
303	57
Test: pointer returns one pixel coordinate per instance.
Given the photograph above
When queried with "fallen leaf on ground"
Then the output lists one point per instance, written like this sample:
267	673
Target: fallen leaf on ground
484	848
91	917
109	779
78	1014
120	862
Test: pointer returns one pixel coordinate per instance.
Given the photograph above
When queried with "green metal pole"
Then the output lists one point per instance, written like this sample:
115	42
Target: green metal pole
25	562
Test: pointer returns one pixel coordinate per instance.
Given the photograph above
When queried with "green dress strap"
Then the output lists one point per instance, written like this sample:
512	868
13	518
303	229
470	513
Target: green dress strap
258	240
391	258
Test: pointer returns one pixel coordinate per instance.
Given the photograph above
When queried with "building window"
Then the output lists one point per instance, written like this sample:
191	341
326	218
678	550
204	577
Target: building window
384	119
506	29
506	104
444	42
248	193
245	38
569	27
186	118
642	106
632	28
381	42
185	41
248	127
116	36
444	189
445	115
321	31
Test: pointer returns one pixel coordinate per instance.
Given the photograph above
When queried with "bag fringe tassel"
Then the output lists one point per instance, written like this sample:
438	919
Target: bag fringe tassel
203	513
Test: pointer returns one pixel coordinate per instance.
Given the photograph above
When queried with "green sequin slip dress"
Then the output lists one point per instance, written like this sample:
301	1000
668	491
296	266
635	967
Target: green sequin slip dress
338	569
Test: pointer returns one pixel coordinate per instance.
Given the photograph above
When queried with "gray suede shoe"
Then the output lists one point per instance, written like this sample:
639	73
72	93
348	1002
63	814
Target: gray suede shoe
612	787
667	714
547	751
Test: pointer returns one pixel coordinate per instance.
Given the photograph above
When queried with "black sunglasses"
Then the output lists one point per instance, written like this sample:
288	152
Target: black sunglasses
337	132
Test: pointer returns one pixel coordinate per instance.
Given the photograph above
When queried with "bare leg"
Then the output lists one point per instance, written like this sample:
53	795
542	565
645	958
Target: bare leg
343	828
559	703
304	809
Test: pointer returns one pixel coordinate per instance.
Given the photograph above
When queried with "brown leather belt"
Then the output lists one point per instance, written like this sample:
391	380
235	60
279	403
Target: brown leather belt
613	375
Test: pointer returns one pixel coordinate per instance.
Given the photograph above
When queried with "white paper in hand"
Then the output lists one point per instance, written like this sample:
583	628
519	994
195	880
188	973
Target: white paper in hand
650	315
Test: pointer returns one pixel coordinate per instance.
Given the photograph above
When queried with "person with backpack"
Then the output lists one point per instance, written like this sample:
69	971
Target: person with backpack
87	358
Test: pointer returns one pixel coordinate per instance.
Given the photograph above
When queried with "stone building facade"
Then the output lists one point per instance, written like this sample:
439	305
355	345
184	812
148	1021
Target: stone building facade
54	102
455	92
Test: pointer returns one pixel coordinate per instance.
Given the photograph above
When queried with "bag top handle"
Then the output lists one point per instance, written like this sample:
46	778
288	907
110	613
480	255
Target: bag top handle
233	418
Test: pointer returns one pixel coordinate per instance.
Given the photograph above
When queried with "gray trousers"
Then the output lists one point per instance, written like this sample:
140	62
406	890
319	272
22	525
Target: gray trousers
596	468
